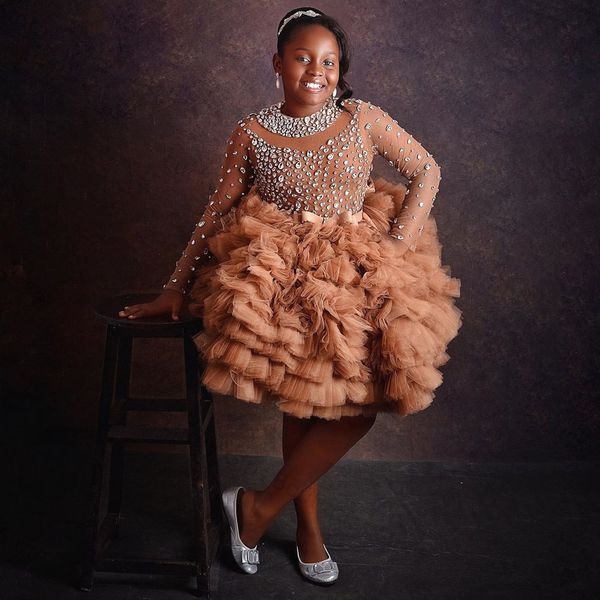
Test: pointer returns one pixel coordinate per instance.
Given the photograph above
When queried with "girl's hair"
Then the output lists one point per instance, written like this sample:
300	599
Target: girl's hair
335	28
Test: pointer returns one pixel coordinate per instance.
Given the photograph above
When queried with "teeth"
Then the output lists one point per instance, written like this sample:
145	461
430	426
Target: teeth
315	86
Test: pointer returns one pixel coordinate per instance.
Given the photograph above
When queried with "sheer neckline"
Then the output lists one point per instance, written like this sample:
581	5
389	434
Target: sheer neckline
343	131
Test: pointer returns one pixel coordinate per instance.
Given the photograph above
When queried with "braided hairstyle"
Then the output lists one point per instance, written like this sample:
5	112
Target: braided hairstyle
335	28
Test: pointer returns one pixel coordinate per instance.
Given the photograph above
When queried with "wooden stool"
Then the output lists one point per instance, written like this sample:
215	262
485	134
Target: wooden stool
113	433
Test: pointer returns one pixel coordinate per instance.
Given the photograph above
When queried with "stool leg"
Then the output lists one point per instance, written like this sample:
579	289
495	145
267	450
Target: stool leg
106	397
215	488
115	494
214	479
197	457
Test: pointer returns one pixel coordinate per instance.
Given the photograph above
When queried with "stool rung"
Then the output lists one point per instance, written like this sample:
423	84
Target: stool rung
158	404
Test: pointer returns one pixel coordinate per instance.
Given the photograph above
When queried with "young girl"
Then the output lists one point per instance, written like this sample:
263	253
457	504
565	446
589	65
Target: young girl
323	291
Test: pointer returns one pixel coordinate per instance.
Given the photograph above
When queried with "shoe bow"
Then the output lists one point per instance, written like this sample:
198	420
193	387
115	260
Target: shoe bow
322	566
250	556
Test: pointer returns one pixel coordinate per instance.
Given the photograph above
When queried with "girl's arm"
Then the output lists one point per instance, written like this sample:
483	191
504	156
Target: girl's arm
236	179
409	157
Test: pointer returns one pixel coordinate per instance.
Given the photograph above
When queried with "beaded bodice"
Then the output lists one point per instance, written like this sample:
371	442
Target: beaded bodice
331	178
325	173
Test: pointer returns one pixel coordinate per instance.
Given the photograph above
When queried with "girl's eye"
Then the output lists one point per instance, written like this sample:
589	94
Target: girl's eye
331	63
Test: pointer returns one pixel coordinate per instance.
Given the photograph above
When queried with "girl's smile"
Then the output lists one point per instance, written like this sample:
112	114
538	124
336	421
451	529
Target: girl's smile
314	86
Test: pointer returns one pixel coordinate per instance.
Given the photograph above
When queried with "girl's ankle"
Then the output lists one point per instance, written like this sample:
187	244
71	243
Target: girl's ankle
308	528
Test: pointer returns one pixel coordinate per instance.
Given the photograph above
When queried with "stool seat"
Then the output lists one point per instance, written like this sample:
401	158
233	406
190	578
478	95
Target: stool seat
114	432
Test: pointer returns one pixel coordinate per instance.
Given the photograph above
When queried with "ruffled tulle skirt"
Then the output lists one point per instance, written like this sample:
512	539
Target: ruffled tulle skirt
324	319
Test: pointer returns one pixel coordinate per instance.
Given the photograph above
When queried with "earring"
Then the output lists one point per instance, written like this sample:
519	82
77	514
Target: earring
334	92
277	81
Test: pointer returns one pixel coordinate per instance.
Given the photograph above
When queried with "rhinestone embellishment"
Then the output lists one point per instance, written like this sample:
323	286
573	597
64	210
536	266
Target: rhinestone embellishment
273	120
327	180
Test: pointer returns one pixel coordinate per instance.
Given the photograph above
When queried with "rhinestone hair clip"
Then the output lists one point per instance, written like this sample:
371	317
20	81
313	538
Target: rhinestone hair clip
298	13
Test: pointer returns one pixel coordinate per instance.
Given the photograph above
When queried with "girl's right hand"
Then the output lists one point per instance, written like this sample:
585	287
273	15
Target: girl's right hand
169	302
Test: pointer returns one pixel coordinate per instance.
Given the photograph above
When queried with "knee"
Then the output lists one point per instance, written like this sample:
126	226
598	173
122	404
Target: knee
362	422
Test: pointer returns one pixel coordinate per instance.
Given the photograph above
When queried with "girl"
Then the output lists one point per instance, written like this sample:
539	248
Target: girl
323	291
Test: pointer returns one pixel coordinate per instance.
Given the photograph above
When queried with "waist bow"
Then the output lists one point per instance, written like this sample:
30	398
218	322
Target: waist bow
344	217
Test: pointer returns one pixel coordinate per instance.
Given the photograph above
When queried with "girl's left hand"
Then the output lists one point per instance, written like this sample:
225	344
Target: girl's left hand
400	247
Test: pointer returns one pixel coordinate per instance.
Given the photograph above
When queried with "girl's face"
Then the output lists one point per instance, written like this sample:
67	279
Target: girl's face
310	56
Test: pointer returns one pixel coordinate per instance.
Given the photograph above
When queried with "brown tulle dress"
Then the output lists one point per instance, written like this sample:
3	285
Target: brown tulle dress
307	300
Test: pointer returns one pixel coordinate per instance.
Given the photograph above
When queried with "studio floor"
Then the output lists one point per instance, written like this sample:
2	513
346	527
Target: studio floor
423	530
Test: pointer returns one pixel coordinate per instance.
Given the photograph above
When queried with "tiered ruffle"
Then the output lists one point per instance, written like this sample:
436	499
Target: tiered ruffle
324	319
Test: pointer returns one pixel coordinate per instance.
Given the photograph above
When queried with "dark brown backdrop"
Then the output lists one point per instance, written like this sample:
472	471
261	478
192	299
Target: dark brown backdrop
115	116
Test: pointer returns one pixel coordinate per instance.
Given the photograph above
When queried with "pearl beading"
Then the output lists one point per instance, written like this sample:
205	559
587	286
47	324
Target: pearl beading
326	180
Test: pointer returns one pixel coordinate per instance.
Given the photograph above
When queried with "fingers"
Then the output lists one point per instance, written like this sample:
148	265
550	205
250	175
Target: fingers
132	312
175	311
151	309
175	308
401	247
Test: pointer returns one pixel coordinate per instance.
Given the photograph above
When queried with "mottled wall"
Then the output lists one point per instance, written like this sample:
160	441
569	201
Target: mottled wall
115	116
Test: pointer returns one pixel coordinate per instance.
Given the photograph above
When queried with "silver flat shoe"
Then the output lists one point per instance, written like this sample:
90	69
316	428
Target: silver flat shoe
324	571
246	558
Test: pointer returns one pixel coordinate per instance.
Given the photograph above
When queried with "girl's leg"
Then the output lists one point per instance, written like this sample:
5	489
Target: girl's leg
308	532
323	445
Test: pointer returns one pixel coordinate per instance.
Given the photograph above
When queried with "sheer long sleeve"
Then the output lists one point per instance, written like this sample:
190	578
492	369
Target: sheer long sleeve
236	178
409	157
